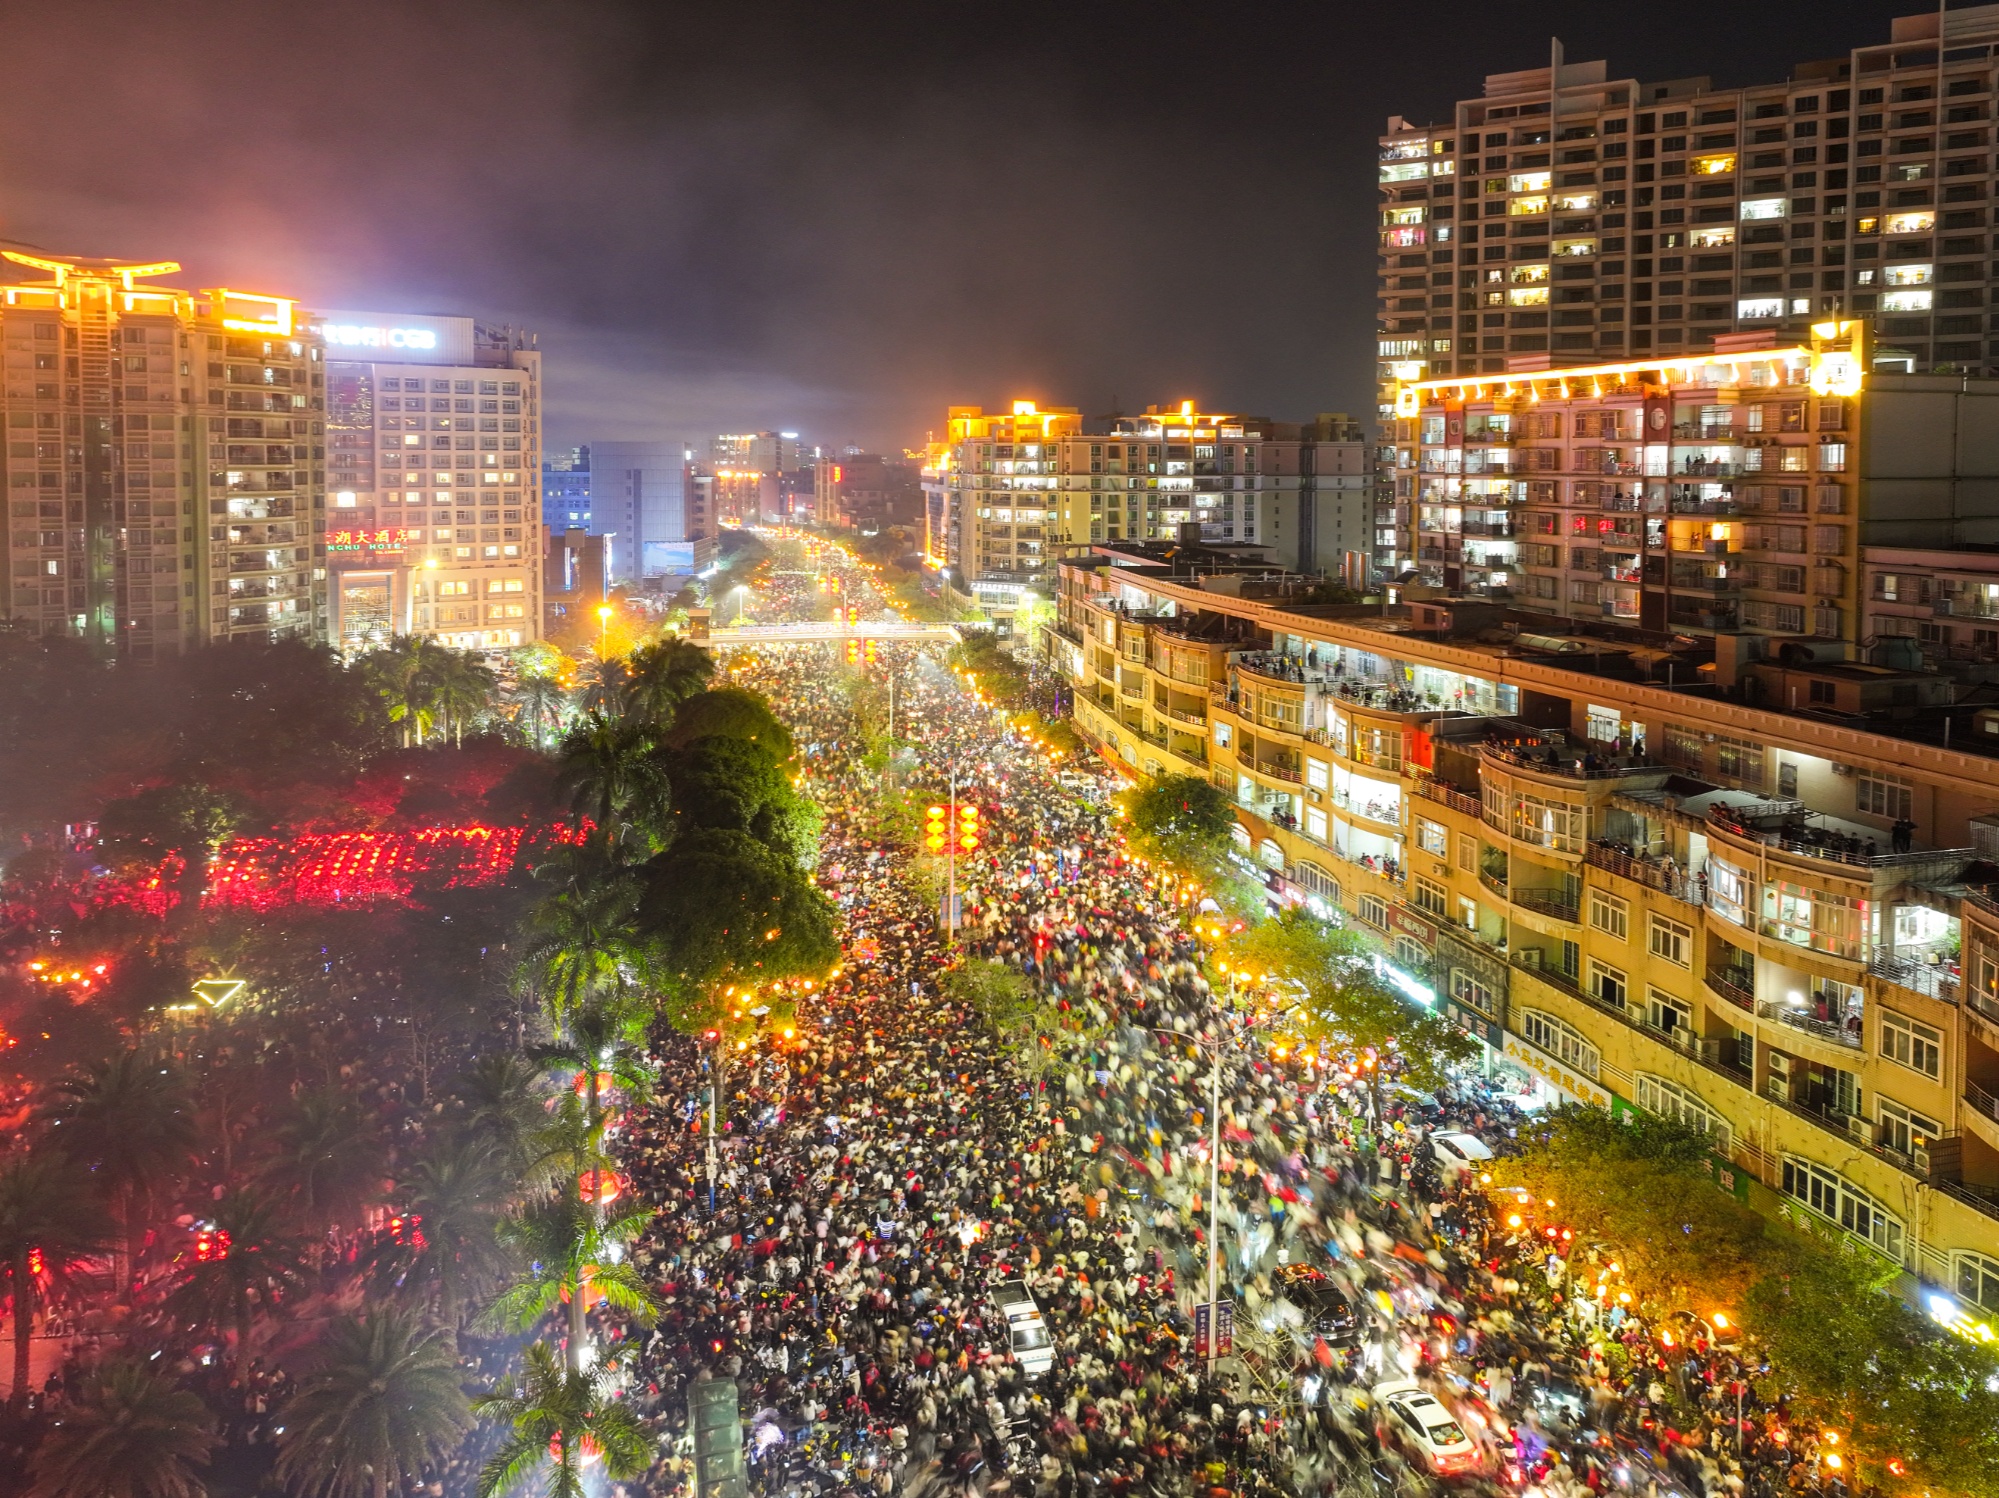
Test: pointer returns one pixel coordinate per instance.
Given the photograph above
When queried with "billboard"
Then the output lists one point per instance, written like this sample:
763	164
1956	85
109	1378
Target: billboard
395	337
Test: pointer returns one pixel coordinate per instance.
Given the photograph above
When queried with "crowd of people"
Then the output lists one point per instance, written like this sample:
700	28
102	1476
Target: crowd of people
883	1161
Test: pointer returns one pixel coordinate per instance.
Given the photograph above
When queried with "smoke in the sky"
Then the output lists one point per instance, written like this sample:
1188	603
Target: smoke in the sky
835	218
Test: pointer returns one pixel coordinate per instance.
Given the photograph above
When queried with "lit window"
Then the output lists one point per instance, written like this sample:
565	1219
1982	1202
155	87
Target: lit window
1907	223
1569	248
1906	301
1404	215
1753	208
1864	278
1403	237
1909	275
1867	226
1760	306
1528	275
1576	202
1528	296
1405	171
1712	166
1529	181
1521	207
1714	239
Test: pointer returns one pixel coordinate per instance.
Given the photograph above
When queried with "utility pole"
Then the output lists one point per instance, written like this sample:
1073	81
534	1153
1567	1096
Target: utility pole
951	865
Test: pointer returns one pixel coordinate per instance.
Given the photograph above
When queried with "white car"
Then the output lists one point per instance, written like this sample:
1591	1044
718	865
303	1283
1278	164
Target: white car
1456	1150
1032	1347
1409	1417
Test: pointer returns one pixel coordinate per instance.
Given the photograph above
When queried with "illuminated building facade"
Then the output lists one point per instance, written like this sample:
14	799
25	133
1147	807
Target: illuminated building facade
1012	491
1569	216
434	506
164	462
1636	888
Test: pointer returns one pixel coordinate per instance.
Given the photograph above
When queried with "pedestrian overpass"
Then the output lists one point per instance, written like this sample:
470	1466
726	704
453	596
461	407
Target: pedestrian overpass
830	629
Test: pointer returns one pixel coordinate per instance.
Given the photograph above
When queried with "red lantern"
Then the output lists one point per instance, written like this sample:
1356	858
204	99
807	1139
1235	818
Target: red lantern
600	1186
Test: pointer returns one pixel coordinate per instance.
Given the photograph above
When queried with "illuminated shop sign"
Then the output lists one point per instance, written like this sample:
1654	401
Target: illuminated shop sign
391	538
395	337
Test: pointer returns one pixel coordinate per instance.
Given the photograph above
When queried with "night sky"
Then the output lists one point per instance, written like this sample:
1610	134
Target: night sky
836	217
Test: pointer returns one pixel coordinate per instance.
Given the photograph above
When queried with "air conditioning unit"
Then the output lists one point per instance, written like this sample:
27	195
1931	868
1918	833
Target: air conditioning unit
1859	1129
1529	957
1778	1088
1843	771
1312	795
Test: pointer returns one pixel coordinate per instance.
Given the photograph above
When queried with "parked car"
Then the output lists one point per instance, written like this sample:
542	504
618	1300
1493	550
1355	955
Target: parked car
1412	1419
1328	1311
1032	1347
1458	1151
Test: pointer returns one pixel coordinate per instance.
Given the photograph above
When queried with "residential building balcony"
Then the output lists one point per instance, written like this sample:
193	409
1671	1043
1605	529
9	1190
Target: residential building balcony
1654	873
1448	795
1735	985
1792	829
1568	760
1555	904
1832	1031
1932	980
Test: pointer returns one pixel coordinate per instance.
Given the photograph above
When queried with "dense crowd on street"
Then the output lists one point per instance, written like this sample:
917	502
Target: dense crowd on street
882	1161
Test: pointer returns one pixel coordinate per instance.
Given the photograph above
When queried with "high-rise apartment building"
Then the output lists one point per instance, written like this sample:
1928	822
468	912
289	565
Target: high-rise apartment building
1568	216
1007	492
758	476
164	463
434	506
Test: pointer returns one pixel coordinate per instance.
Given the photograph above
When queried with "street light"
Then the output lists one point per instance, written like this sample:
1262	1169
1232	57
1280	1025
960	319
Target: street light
604	612
739	590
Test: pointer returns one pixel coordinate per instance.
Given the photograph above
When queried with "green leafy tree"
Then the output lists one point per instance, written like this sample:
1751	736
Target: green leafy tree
603	682
462	687
718	902
575	1254
562	1418
731	712
502	1099
381	1404
536	696
125	1431
1342	999
732	783
263	1259
50	1230
129	1118
403	674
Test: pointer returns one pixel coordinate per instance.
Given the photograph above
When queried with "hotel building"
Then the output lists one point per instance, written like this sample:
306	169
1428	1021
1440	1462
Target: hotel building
1635	887
164	464
434	516
1578	218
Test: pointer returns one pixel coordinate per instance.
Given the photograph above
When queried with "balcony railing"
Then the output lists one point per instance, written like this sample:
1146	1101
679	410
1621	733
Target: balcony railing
1527	758
1928	979
1449	795
1797	836
1982	1100
1274	772
1734	986
1831	1031
1551	903
1667	878
1198	720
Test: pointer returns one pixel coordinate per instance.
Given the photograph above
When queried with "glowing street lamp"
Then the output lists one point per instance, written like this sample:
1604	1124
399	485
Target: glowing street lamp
604	613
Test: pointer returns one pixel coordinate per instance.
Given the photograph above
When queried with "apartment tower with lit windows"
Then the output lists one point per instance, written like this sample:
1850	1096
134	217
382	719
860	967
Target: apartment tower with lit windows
165	460
434	521
1566	217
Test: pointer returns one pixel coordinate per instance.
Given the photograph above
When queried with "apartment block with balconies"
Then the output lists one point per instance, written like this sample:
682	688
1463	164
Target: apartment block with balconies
1568	216
1772	926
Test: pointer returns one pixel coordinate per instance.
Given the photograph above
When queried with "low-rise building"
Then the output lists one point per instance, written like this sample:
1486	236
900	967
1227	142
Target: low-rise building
1638	886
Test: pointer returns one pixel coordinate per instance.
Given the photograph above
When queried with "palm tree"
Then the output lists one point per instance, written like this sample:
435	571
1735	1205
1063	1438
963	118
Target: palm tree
615	779
539	701
604	685
382	1402
663	675
456	1194
327	1155
502	1101
584	938
125	1432
563	1417
400	673
260	1259
50	1228
131	1120
463	686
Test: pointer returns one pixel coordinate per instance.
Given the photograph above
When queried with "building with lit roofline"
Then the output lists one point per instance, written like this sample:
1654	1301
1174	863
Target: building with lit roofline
1575	217
164	463
434	523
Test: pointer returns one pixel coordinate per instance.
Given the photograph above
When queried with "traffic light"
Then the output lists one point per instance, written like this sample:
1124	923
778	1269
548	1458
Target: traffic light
933	829
968	827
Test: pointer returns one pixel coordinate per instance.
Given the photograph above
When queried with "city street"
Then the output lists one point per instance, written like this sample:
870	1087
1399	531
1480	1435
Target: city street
884	1165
